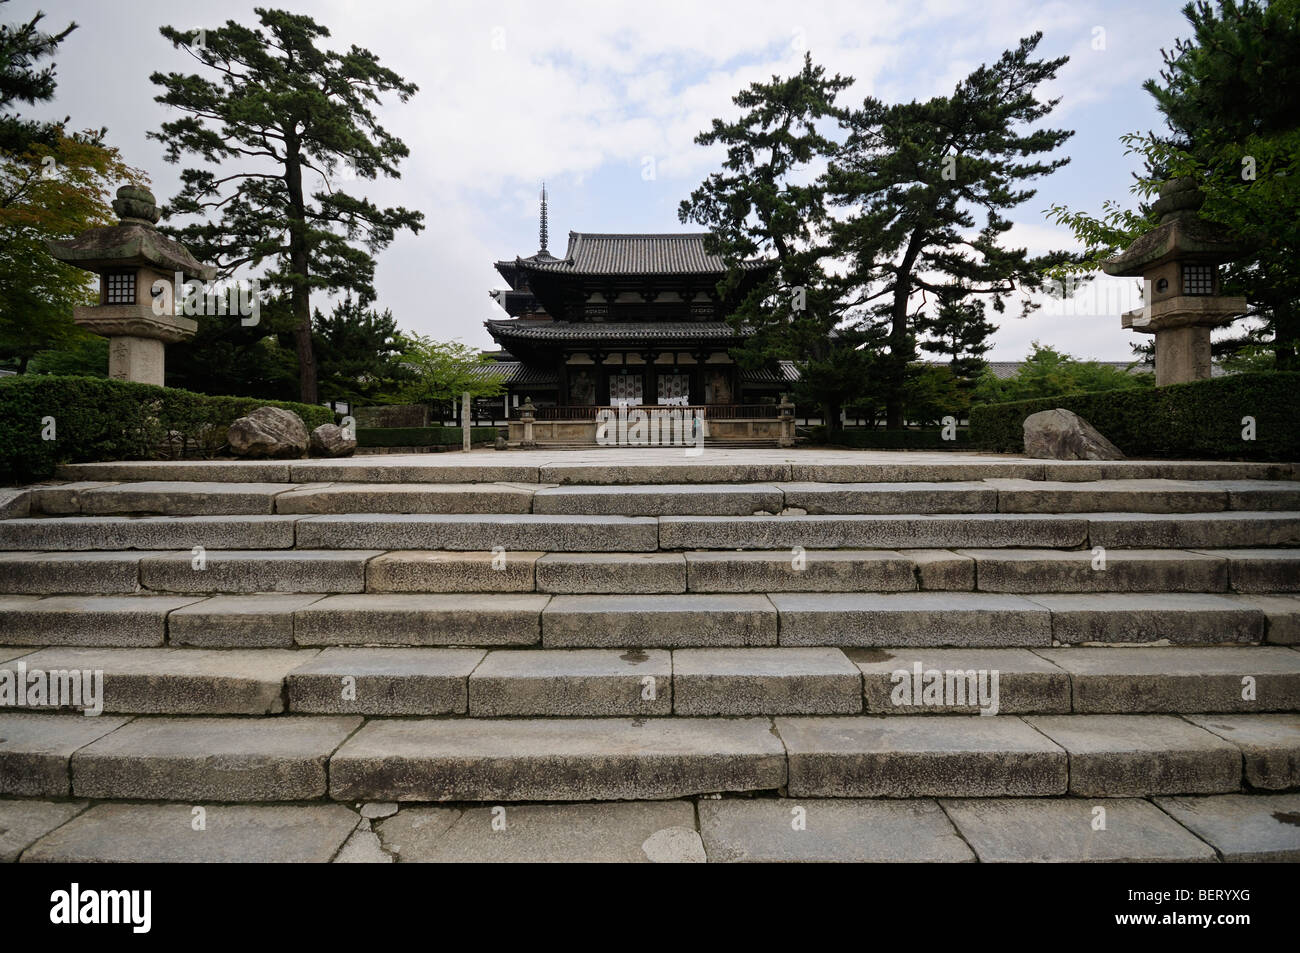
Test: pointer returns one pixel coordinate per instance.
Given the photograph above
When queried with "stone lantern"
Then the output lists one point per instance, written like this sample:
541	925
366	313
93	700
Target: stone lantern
136	314
1179	261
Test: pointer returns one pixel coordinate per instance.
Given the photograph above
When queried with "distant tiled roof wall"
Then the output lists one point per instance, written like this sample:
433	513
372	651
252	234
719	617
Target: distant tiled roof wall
594	254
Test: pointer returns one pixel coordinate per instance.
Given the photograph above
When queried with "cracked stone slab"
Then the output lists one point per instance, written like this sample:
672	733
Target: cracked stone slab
572	682
148	532
891	498
75	572
127	620
182	498
272	570
802	830
406	498
1243	828
421	619
1172	679
1126	570
1113	496
262	620
441	571
1025	682
1192	530
22	823
765	681
911	618
1065	830
1139	755
869	532
1182	618
626	832
371	681
35	749
526	532
555	759
717	499
611	573
364	847
1261	570
164	833
179	681
1270	746
783	570
940	756
212	759
1281	615
658	621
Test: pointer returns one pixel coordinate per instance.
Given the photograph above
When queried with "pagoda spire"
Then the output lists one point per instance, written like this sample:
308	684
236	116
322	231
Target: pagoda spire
543	228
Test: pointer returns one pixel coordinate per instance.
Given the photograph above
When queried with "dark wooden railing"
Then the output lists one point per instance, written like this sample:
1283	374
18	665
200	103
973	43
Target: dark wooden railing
708	411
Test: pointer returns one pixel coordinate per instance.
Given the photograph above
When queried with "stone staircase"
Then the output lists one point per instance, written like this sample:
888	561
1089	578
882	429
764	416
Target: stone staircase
746	656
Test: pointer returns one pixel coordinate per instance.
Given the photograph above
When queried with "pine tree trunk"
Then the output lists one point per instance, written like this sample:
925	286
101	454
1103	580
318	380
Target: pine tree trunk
300	295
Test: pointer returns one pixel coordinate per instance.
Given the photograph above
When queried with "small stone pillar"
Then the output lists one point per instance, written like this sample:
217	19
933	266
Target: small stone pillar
138	268
785	413
466	419
527	414
1179	263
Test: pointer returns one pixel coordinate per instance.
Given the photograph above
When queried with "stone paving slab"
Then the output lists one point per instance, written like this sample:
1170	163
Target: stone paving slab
75	572
1109	496
1029	571
1181	618
264	620
572	682
1065	830
869	532
1193	530
212	759
229	471
421	619
179	681
1139	755
374	681
148	532
660	467
181	498
942	569
406	498
942	756
1025	682
668	499
252	570
439	571
1173	680
134	620
164	833
1270	746
63	499
762	681
802	830
911	619
1261	570
783	570
1262	494
629	832
1242	827
530	532
483	467
15	503
891	498
556	759
35	748
22	823
1281	614
665	621
611	573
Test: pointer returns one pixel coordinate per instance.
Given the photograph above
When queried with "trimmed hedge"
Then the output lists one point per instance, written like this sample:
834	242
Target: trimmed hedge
95	418
1200	419
892	439
421	436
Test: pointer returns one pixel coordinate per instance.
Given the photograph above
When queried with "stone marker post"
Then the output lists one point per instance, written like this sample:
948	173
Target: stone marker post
527	414
785	413
465	422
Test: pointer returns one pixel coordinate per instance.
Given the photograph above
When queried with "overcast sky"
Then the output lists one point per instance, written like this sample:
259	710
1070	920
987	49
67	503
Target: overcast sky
591	95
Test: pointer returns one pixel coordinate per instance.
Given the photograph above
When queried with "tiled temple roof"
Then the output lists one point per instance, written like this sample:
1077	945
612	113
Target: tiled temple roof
610	330
667	254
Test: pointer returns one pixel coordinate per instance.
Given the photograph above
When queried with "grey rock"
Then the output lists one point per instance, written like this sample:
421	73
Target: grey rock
15	503
331	440
164	833
383	681
760	681
1063	435
658	621
1063	830
268	432
1243	828
212	759
377	810
581	682
843	831
1140	755
555	759
1269	744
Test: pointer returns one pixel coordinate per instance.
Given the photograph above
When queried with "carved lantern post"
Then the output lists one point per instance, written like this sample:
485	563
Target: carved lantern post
1179	262
131	258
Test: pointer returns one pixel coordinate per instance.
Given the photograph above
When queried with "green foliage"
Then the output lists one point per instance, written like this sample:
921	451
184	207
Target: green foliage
359	352
442	371
86	356
101	419
1197	420
228	357
279	124
421	436
22	47
1047	372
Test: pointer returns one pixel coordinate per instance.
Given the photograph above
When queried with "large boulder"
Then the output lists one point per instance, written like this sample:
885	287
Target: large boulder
331	440
1063	435
268	432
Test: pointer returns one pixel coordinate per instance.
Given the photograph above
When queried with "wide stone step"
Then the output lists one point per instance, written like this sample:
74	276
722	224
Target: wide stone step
525	532
1227	827
148	532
